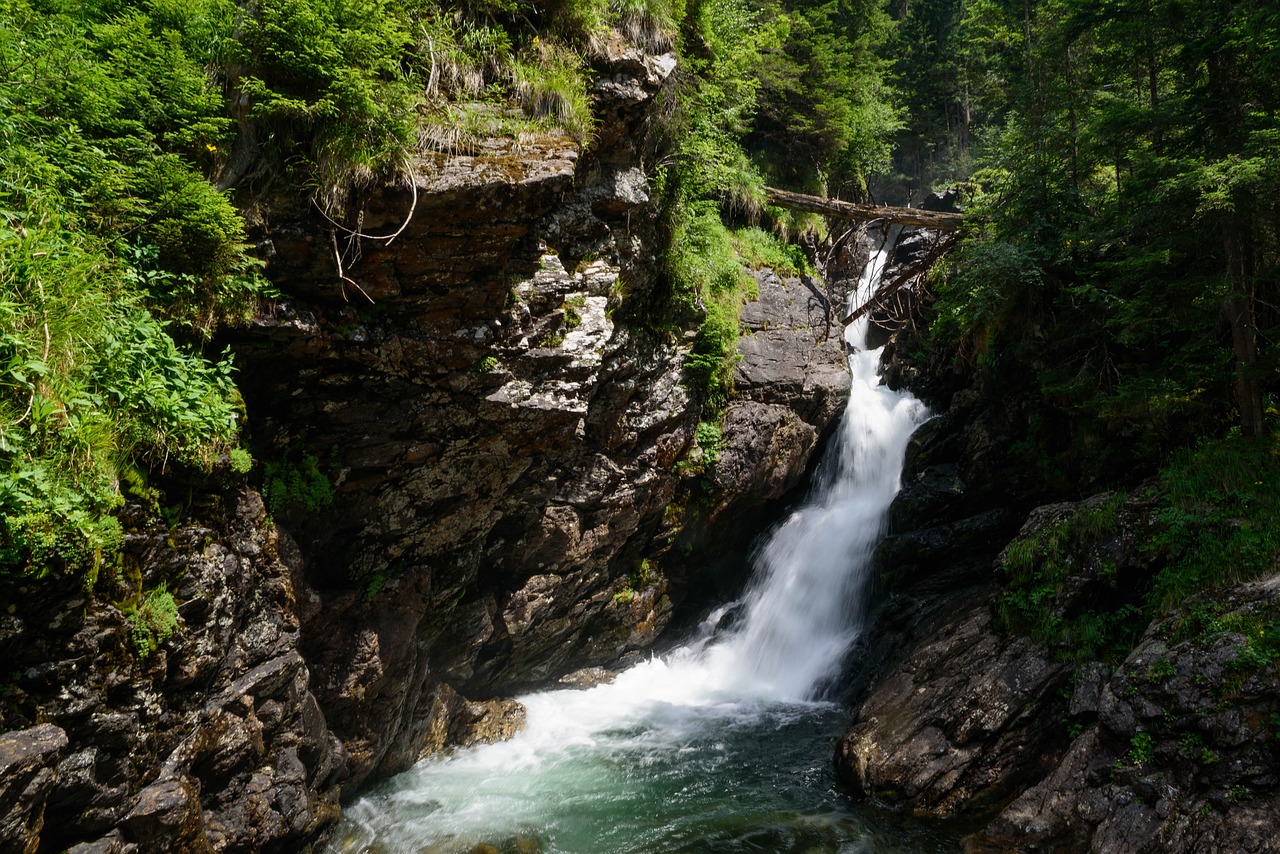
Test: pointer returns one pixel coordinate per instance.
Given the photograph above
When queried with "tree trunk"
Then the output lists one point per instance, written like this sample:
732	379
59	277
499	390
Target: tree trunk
1239	308
838	209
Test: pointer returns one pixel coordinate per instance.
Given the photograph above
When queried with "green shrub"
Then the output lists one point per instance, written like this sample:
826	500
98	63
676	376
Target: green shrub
708	271
1219	519
982	291
154	621
327	81
759	249
90	385
1141	748
1036	567
710	439
241	460
296	484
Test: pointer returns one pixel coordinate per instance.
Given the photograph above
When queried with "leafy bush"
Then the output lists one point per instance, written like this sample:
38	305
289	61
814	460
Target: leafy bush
1216	511
710	439
296	485
702	253
326	79
1219	520
981	294
154	621
90	384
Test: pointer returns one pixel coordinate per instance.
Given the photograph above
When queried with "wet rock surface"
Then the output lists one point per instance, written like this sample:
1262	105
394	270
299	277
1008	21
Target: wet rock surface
27	776
792	348
458	722
791	385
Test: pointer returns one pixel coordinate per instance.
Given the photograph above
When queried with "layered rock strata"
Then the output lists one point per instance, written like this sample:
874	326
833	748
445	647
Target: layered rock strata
501	424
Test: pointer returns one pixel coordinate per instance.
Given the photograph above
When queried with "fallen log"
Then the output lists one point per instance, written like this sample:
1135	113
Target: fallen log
863	213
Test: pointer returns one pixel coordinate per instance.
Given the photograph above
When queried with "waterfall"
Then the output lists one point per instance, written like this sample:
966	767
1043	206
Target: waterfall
623	766
805	606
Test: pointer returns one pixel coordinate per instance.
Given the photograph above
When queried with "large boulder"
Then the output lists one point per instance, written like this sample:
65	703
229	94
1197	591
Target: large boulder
962	724
1183	755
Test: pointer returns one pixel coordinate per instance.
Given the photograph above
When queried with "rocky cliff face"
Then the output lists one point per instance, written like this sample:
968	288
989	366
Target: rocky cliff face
500	449
1183	753
476	461
213	741
500	426
792	383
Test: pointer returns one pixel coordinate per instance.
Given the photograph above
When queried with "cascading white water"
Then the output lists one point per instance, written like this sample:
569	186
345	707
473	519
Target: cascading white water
624	767
805	607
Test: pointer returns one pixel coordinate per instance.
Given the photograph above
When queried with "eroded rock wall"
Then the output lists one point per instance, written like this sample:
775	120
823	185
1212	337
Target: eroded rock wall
964	709
1182	756
213	741
499	446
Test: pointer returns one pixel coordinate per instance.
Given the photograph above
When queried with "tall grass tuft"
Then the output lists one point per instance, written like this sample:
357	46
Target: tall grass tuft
549	84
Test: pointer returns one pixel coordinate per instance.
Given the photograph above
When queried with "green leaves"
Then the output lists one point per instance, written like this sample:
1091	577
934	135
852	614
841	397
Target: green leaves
153	621
90	382
327	80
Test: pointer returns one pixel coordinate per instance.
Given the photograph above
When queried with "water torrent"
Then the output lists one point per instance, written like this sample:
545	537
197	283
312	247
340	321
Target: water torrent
721	745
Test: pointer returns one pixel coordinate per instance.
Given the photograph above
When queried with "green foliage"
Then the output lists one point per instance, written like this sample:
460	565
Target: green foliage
650	23
1216	513
710	439
1220	519
169	404
153	621
572	311
759	249
107	125
826	112
326	81
241	460
1036	568
296	484
724	139
645	575
1141	748
710	271
90	385
982	292
1129	174
551	86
